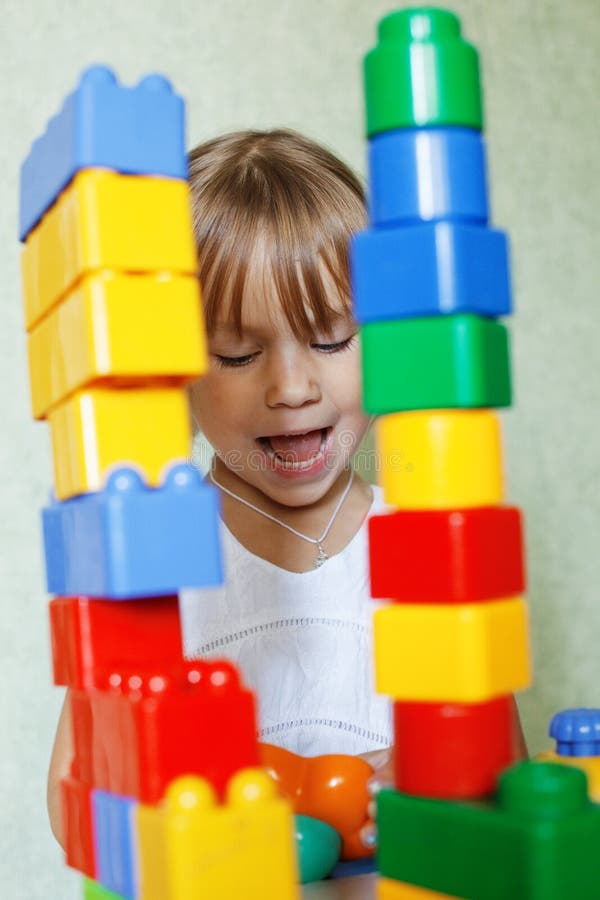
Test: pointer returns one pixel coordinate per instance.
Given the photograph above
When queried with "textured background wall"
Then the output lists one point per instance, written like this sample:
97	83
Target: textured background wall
273	62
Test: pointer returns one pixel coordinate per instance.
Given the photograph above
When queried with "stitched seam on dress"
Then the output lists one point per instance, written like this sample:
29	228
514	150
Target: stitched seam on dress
328	723
278	625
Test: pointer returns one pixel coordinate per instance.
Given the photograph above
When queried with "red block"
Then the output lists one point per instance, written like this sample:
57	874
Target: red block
77	825
447	556
454	751
143	730
93	638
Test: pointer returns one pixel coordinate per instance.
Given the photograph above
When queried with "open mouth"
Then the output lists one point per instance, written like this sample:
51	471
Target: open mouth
297	452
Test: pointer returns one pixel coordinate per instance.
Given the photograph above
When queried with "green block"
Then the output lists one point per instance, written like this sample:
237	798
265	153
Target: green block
540	842
93	890
422	72
435	362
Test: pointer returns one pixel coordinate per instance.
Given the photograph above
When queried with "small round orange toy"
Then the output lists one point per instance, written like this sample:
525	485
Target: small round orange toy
332	788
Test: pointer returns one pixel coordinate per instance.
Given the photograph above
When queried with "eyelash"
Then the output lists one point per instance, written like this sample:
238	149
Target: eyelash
238	362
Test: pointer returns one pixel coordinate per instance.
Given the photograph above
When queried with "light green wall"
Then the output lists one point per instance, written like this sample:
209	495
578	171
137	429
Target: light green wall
273	63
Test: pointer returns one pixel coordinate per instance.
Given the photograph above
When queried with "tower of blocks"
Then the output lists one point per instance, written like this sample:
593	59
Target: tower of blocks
164	799
430	282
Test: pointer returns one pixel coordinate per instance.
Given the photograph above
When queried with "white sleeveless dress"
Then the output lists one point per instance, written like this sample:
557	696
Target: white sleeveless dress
303	642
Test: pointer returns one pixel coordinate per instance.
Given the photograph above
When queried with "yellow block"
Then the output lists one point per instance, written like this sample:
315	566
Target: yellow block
242	849
98	429
437	459
588	764
103	220
388	889
116	330
463	653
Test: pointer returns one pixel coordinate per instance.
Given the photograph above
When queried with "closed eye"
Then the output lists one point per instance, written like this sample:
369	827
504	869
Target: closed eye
237	362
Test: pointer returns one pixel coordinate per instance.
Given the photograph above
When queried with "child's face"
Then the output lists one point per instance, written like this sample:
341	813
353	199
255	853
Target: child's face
271	383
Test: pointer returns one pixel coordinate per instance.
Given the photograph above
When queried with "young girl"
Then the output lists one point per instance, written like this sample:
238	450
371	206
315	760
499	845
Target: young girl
281	406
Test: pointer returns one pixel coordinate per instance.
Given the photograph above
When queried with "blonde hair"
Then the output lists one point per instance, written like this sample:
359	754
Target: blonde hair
281	192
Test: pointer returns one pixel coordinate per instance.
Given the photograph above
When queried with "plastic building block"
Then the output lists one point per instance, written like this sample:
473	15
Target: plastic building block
577	732
84	767
318	846
430	269
93	890
133	541
539	843
115	842
91	639
478	555
118	330
422	72
437	362
77	825
388	889
427	174
100	428
148	728
103	124
244	848
459	653
440	460
107	221
331	788
454	751
590	765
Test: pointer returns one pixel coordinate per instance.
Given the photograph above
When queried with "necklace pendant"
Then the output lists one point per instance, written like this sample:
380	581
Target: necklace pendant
321	558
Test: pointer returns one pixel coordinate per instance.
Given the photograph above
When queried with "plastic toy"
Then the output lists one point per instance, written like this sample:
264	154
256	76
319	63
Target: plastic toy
478	555
428	270
107	221
318	846
465	657
92	639
331	788
435	362
100	428
86	339
423	175
238	849
539	843
104	124
577	735
97	544
440	459
115	843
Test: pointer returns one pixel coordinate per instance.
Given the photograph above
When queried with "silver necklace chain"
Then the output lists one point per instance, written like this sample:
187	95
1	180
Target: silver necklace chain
322	557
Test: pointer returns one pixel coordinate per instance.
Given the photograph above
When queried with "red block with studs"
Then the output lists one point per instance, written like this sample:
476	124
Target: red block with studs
77	825
93	638
454	751
447	556
144	729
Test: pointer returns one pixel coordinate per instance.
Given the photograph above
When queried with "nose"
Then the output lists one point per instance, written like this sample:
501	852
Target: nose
292	378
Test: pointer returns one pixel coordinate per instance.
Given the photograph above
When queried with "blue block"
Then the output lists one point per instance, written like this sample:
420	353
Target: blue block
132	541
576	732
115	843
427	174
139	131
428	270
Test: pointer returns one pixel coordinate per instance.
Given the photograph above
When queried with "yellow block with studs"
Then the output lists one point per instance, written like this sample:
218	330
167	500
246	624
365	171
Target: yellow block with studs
388	889
104	220
459	653
99	429
437	459
117	329
191	848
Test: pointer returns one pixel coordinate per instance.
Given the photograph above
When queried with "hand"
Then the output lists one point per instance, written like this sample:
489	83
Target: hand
382	762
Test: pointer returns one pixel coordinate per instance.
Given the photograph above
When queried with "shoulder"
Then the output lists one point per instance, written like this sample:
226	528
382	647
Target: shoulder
379	505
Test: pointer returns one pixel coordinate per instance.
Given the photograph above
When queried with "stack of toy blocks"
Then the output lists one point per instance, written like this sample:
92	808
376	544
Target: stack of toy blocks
430	279
163	800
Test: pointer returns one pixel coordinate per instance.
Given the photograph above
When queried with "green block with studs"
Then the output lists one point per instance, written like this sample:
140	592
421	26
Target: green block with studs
421	73
538	842
435	362
93	890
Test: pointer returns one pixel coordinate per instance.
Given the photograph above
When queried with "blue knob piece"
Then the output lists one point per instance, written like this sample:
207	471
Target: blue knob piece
576	732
